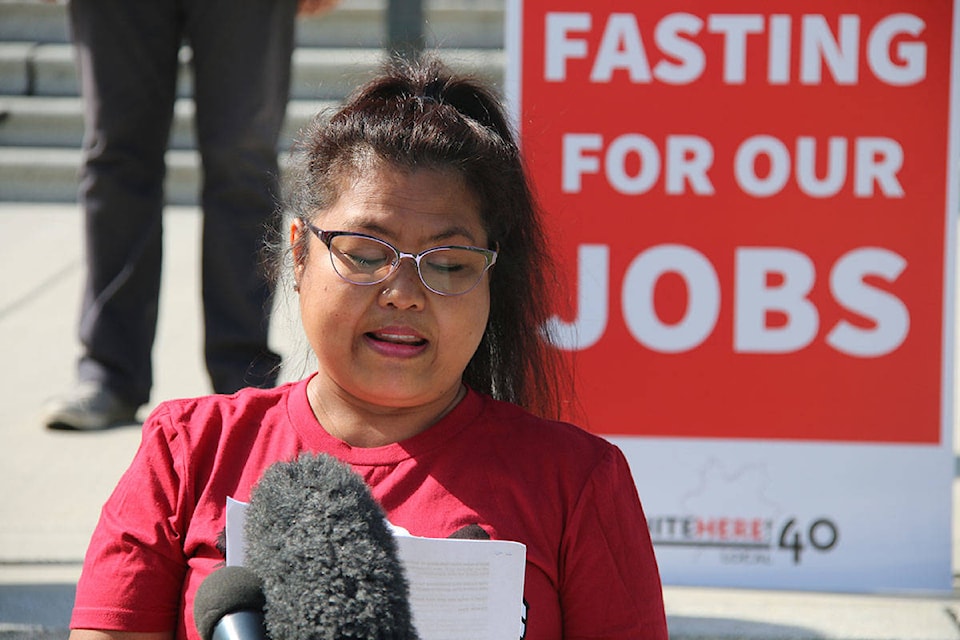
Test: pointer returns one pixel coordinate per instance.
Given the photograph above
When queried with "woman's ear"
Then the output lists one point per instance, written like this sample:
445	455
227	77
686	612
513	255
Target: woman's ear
298	249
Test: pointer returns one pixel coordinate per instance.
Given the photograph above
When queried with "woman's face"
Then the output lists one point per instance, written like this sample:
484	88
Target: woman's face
394	344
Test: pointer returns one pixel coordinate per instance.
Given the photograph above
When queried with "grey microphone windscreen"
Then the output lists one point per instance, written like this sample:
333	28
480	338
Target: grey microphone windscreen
328	561
227	590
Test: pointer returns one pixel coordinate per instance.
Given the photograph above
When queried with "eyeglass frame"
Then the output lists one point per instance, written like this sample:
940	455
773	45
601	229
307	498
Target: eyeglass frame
327	237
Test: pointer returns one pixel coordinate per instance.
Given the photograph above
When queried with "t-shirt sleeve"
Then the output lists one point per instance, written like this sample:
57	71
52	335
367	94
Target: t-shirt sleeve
610	584
134	568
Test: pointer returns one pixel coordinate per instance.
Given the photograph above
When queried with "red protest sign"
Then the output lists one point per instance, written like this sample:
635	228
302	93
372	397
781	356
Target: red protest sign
750	204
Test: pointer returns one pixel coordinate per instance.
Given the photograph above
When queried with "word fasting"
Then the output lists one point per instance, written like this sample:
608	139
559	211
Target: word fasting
618	44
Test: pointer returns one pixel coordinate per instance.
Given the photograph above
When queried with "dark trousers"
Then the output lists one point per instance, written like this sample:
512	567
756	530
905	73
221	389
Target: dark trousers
127	54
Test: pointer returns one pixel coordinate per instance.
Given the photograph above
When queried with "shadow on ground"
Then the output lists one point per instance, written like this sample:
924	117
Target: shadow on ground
35	611
689	628
42	612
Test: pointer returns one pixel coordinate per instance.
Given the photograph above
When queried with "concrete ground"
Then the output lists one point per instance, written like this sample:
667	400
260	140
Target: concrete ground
53	483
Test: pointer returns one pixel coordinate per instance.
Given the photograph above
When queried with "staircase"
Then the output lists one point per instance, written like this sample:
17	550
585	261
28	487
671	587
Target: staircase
41	119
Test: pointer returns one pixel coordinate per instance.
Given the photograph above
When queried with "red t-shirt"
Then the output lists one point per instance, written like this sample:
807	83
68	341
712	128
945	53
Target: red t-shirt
566	494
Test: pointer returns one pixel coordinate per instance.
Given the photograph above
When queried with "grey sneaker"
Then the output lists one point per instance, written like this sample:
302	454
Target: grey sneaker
89	407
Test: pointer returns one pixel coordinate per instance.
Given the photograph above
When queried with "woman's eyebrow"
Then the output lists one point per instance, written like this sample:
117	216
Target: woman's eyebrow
453	232
376	229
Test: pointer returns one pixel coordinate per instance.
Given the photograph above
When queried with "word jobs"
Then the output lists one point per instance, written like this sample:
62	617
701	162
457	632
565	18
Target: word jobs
632	164
894	53
756	296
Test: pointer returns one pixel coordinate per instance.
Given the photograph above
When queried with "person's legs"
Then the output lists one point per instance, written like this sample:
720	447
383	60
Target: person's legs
127	62
241	59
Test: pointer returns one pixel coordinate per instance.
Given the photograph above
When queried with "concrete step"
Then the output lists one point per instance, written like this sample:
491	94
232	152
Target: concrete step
33	21
16	68
50	175
29	174
24	24
39	139
58	122
38	175
324	74
354	23
321	79
318	73
41	120
36	57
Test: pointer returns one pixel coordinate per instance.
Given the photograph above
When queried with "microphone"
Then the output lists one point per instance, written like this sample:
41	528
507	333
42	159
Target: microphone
229	605
320	543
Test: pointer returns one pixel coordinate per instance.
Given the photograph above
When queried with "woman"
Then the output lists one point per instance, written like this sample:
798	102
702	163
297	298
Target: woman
422	276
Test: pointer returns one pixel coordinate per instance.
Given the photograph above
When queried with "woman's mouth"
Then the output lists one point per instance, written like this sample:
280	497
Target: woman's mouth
397	338
396	343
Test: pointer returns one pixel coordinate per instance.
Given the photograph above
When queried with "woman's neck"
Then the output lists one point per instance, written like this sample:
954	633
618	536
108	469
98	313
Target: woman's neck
365	425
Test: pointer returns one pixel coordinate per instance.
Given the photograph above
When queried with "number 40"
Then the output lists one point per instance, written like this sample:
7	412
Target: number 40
821	535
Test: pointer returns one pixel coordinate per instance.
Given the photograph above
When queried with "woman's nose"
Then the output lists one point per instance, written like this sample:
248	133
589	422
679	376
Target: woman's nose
404	289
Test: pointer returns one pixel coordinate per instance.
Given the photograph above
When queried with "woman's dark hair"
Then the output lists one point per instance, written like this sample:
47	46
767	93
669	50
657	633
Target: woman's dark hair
421	115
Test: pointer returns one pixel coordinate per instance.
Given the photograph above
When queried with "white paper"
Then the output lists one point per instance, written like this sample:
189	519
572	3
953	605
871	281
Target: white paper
463	589
236	536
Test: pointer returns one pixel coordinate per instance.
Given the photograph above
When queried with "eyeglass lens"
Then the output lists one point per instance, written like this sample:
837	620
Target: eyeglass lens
448	270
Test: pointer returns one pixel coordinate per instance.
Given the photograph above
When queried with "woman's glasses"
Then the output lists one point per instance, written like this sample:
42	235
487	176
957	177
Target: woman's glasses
362	259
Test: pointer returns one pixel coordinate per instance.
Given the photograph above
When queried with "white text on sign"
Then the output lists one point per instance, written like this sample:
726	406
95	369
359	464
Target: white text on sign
893	54
686	161
753	298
